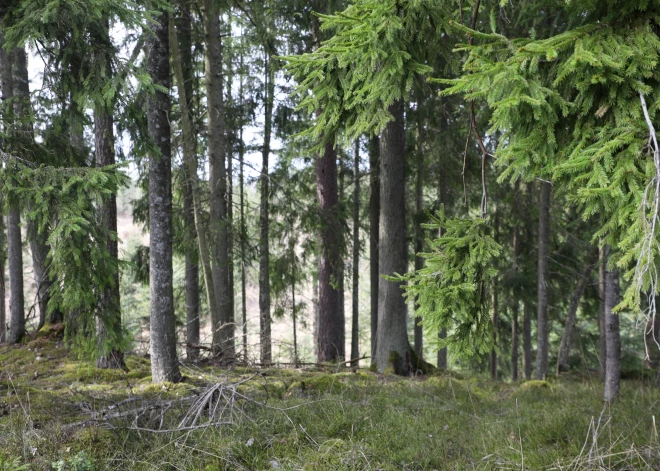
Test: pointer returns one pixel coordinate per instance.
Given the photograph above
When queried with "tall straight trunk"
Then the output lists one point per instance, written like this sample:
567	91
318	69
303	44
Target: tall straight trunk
3	259
164	362
419	234
515	329
527	340
527	305
329	332
243	229
315	308
565	345
14	242
108	330
194	198
192	277
243	233
15	253
38	246
184	44
613	336
341	275
496	321
222	326
514	309
329	328
355	326
602	340
542	323
7	90
443	197
264	218
294	314
392	346
374	228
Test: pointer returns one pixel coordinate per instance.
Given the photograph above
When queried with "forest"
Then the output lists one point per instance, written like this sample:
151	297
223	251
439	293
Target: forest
329	234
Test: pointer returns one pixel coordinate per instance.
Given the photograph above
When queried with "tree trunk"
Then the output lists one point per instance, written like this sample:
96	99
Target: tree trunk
374	227
14	242
6	89
613	364
542	323
514	341
514	308
602	340
341	267
443	197
264	218
496	320
164	362
565	345
108	330
419	233
3	259
38	246
329	322
185	79
392	345
355	326
222	326
527	340
243	236
192	196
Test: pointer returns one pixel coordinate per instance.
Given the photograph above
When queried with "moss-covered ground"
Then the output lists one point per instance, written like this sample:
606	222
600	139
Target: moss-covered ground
314	420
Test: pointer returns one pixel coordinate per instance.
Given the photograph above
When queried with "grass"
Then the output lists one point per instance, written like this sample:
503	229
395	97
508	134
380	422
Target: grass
318	420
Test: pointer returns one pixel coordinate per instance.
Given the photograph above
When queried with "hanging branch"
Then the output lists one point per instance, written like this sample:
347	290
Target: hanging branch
645	264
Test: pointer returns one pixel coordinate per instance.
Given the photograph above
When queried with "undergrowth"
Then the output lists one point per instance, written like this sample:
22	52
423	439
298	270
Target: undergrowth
312	420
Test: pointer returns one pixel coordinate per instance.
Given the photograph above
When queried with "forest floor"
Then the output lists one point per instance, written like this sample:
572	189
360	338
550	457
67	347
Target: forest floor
60	413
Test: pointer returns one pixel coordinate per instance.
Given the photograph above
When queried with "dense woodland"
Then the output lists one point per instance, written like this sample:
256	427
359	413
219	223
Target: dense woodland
424	185
492	162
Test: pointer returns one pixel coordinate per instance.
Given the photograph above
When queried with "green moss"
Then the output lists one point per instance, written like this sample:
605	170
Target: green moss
534	384
320	384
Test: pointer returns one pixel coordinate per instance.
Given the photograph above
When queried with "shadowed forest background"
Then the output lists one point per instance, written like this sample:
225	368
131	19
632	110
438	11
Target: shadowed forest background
406	234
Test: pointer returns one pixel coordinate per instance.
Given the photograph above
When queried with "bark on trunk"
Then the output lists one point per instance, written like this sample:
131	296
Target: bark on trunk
329	328
542	323
443	197
514	341
374	228
194	198
3	259
565	345
613	364
602	340
184	26
392	345
527	340
418	331
264	220
164	362
108	330
38	247
329	322
109	327
355	326
241	156
341	267
222	326
14	243
496	321
6	89
515	306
